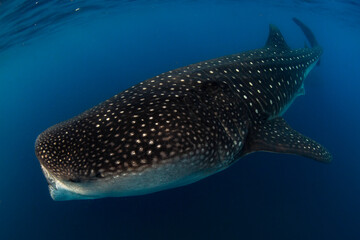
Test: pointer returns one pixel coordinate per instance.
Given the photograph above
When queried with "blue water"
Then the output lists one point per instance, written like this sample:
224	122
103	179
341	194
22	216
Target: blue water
59	58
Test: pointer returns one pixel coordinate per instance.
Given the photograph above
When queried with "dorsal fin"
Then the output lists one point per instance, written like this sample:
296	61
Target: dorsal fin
276	39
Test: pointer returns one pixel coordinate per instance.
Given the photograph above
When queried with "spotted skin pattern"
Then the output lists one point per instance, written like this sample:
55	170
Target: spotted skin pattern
181	126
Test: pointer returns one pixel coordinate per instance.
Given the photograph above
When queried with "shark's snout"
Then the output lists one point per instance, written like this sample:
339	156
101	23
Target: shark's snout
64	154
58	188
61	183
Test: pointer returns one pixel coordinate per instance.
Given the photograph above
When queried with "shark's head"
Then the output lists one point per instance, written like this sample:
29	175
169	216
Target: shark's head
122	148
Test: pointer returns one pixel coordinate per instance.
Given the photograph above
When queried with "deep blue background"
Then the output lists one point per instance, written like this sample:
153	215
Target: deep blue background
263	196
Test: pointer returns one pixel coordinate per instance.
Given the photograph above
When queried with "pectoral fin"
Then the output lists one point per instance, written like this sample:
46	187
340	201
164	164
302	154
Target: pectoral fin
277	136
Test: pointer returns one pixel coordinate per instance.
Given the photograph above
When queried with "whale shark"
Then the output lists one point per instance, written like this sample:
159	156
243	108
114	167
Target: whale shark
183	125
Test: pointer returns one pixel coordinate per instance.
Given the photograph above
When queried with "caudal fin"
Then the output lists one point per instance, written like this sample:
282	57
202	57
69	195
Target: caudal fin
308	33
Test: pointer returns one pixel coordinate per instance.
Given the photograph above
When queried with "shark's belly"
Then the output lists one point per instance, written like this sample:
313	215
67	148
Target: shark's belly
170	174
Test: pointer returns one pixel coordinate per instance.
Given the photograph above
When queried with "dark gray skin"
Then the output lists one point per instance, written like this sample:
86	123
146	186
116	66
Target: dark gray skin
182	125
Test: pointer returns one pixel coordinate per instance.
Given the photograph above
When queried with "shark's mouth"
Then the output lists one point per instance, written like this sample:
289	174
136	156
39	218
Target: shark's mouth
61	191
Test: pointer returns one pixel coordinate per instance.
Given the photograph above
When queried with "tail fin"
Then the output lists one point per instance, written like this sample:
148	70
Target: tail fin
308	33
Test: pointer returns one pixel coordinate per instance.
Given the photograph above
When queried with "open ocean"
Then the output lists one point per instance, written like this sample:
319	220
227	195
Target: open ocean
61	57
